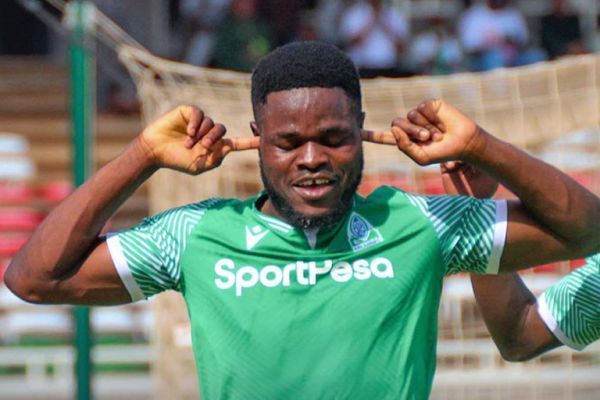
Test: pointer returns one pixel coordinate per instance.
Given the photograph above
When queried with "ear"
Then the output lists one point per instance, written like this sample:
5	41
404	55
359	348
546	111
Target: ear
254	128
361	119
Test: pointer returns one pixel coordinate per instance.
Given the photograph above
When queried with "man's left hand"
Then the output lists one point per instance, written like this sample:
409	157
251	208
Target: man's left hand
436	132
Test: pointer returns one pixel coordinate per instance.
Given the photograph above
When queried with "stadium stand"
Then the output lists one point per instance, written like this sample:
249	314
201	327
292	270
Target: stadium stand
35	171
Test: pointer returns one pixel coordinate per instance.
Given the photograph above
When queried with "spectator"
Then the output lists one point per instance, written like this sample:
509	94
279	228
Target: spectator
436	50
242	39
374	35
495	35
561	31
328	15
115	91
283	17
200	19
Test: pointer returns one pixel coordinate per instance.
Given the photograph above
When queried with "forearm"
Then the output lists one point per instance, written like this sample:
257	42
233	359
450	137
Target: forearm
509	310
72	228
552	198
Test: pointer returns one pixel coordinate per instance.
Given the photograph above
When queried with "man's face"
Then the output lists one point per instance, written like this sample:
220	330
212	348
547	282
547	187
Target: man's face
310	154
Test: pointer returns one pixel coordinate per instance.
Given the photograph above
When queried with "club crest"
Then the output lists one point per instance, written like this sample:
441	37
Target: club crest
361	233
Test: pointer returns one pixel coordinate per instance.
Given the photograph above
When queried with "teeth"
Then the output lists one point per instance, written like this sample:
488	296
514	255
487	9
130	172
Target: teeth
314	182
308	182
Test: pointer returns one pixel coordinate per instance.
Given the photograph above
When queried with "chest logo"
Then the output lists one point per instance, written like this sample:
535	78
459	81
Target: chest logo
361	233
254	235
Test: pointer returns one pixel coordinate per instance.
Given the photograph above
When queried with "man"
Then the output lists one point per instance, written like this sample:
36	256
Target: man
307	290
495	34
374	35
522	326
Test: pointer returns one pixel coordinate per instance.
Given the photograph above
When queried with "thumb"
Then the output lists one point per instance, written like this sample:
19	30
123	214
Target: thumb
192	117
183	118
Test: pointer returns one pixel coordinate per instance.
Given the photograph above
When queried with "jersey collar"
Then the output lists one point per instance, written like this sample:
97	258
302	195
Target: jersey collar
308	239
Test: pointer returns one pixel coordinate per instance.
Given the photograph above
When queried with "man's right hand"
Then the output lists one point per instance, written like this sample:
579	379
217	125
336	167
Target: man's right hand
186	140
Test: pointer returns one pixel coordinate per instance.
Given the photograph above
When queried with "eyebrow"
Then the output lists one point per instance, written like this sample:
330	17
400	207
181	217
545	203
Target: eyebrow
326	131
343	130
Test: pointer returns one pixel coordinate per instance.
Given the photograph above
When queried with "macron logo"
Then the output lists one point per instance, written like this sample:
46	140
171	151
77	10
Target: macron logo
254	235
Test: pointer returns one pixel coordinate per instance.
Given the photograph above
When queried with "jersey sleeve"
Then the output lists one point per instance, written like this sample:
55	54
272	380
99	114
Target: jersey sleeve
472	232
147	257
571	307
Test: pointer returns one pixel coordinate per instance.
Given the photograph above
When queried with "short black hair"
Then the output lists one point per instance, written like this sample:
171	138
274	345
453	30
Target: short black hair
304	64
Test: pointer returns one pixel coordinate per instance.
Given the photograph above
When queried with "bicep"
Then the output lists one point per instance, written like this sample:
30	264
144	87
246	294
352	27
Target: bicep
95	282
529	244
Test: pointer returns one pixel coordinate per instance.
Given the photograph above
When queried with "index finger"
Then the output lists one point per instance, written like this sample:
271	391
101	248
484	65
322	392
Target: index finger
241	143
380	137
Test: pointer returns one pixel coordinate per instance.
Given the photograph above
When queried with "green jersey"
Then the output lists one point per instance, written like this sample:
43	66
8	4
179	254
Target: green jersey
571	307
347	312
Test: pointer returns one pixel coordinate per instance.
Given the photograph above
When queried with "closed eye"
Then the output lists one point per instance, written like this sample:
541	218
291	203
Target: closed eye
330	138
336	137
287	144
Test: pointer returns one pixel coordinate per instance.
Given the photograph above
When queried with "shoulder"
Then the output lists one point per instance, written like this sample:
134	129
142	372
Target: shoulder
569	308
585	278
593	262
188	215
386	195
427	204
392	197
394	201
198	207
584	282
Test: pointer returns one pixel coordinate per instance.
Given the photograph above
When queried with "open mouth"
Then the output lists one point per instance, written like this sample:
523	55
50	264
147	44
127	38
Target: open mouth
314	182
314	188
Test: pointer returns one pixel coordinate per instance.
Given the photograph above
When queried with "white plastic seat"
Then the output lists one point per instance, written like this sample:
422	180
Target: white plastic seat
13	143
16	168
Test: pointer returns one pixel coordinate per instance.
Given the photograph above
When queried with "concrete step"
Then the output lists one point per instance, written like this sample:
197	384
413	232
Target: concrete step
58	127
35	103
32	65
35	96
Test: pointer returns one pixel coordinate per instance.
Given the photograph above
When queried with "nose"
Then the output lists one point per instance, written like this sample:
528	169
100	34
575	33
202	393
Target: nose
312	156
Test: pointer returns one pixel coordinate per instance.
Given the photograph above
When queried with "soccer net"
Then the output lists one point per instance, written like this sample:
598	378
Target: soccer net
550	109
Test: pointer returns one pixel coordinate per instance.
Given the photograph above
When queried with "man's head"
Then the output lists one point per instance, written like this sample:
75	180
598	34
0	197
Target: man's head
307	108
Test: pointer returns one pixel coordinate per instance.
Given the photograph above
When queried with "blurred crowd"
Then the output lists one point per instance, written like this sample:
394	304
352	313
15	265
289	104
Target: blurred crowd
377	34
